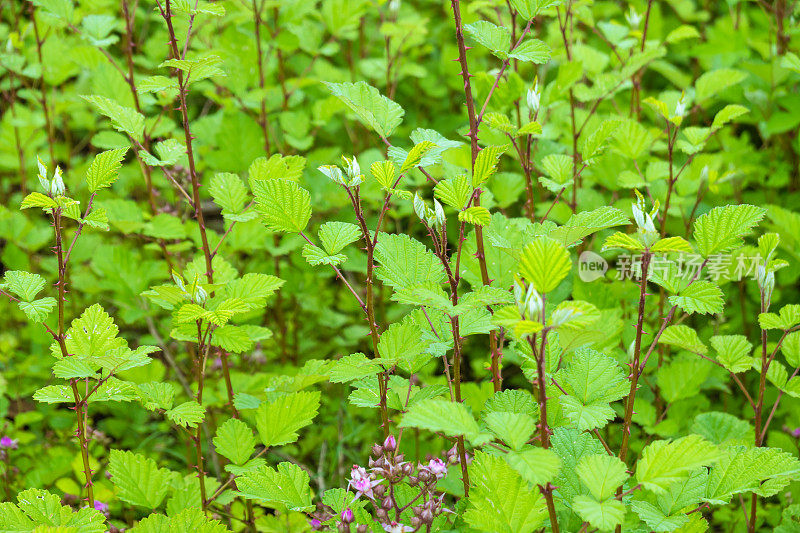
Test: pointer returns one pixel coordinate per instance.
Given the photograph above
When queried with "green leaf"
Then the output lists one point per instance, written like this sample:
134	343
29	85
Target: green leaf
743	470
138	479
23	284
282	205
604	515
73	367
317	256
454	191
372	108
401	343
722	228
528	9
54	394
188	414
728	113
235	441
664	462
415	155
37	507
124	119
93	333
354	366
403	262
514	429
197	69
500	500
585	223
672	244
279	421
592	380
571	444
512	401
788	317
533	51
720	428
486	164
733	352
450	418
544	263
37	199
496	38
536	465
714	82
228	192
287	486
336	235
703	297
624	241
477	215
655	518
602	474
104	169
683	337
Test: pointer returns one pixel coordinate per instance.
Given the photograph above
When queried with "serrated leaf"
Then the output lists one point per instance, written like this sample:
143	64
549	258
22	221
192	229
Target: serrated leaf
486	164
544	263
722	228
282	204
372	108
279	421
601	474
500	500
496	38
454	191
476	215
334	236
138	479
537	466
604	515
403	262
287	486
703	297
235	441
188	414
124	119
733	352
683	337
512	428
450	418
664	462
104	169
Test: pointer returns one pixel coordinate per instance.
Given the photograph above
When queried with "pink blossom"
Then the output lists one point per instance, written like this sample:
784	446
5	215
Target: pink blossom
361	482
437	468
8	443
100	506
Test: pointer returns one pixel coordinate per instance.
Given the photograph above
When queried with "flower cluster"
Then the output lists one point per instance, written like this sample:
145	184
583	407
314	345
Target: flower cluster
378	484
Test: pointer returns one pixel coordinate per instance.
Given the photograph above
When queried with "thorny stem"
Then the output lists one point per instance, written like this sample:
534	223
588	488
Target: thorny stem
759	407
637	351
544	429
383	378
80	407
473	138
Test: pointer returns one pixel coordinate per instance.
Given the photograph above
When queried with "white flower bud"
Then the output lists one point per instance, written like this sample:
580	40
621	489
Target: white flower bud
633	18
419	206
534	98
57	185
439	212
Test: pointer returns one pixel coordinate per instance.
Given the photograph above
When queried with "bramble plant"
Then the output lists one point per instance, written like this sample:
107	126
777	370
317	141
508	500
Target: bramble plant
396	266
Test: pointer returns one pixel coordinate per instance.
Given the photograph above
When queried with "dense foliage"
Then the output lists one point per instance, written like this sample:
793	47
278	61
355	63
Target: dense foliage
356	265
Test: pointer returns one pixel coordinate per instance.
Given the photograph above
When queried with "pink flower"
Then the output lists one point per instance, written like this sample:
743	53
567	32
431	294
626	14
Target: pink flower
361	482
100	506
8	443
390	444
396	527
437	468
347	516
